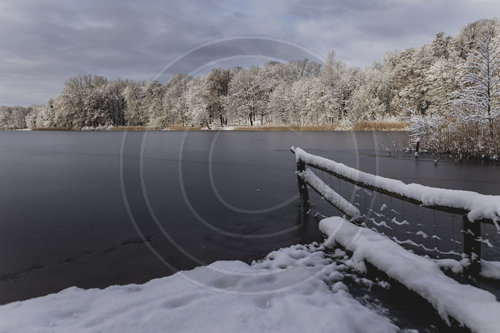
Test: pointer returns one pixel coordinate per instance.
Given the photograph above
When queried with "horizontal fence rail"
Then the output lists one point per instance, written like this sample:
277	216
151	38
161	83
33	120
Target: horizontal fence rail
474	207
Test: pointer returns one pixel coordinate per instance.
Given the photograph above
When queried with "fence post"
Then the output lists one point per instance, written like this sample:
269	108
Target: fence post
472	245
304	195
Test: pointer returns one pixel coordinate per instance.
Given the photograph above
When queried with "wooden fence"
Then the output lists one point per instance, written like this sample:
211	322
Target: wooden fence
305	178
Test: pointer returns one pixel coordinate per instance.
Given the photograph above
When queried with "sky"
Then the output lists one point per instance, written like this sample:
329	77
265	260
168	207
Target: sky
42	43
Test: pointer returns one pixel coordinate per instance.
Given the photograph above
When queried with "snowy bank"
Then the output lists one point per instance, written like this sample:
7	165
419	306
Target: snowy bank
475	308
296	289
479	206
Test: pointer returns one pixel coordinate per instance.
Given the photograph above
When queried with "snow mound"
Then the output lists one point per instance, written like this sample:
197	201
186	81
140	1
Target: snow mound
472	307
296	289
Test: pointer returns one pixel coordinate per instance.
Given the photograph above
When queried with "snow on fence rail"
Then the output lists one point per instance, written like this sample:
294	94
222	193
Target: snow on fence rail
330	195
473	307
476	208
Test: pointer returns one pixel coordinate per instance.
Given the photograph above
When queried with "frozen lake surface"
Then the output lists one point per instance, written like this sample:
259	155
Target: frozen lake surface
105	208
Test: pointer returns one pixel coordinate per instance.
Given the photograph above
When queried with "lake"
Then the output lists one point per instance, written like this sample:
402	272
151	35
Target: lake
93	209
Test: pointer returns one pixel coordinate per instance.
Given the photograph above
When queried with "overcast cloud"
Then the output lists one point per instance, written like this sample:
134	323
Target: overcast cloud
44	42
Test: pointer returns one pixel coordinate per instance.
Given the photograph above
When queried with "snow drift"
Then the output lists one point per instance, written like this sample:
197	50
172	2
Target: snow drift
296	289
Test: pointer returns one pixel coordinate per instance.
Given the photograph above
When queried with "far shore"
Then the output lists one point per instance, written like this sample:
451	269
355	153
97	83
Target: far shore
361	126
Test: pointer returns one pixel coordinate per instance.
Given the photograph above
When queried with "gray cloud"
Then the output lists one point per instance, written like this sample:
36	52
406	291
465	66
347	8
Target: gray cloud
43	43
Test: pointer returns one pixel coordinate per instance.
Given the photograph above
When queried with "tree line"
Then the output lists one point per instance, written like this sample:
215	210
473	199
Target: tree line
426	85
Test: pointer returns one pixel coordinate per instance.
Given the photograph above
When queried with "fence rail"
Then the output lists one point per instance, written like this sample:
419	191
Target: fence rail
392	188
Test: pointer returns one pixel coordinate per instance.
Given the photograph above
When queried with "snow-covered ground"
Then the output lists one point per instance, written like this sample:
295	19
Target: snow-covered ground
296	289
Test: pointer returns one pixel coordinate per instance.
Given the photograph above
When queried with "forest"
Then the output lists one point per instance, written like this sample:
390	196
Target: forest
447	91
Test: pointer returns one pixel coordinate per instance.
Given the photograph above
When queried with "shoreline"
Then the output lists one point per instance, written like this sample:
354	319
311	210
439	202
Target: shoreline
365	127
258	128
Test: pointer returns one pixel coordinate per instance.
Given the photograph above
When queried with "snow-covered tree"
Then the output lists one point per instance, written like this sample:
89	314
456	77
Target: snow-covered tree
134	113
14	117
479	97
441	79
244	99
174	108
304	69
468	38
279	105
341	82
452	84
217	86
196	101
152	106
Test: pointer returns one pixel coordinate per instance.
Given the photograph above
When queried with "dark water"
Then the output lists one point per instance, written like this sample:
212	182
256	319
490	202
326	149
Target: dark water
96	209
